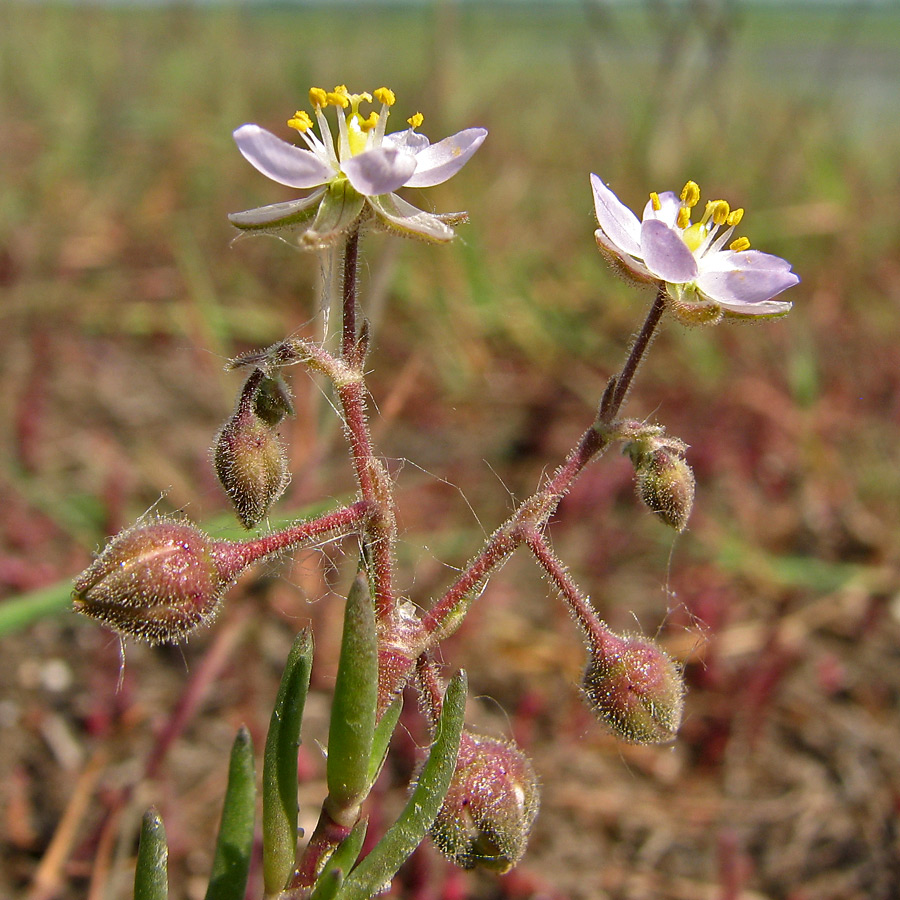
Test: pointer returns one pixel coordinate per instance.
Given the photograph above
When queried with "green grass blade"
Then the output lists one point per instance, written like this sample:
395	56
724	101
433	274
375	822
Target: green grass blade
280	807
380	866
151	881
231	863
355	701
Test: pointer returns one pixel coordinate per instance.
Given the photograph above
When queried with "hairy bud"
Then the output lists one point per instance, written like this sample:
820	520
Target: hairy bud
663	480
156	582
490	807
635	688
248	455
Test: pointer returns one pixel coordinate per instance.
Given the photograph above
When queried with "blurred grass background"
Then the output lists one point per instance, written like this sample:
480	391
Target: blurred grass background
122	296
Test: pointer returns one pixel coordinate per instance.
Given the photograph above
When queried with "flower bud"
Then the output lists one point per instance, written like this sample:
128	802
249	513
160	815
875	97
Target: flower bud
272	401
635	688
664	481
490	807
156	582
251	464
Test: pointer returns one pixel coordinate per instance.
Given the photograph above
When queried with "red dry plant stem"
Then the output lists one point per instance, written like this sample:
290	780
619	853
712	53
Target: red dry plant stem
430	688
532	514
326	838
348	321
340	521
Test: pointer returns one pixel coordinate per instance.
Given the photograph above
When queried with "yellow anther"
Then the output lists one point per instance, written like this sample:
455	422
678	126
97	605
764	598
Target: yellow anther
683	219
718	210
338	97
740	244
654	201
318	97
369	123
301	121
386	96
415	121
690	194
735	216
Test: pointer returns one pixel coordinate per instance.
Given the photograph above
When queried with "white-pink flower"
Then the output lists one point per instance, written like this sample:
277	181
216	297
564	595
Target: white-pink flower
354	177
705	276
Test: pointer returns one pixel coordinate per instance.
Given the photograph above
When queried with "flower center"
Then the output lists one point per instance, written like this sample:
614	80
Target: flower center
698	236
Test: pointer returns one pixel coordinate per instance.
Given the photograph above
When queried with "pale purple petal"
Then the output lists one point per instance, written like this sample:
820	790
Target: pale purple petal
438	162
616	221
282	162
618	258
379	171
666	254
669	204
409	140
405	219
735	279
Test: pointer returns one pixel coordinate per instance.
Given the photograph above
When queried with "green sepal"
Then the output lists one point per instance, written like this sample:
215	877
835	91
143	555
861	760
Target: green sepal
381	740
340	862
151	881
291	214
231	863
410	829
280	806
353	711
338	211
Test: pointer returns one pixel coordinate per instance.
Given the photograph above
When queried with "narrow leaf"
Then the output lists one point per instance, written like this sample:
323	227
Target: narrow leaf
280	807
341	861
384	731
355	702
151	880
382	863
231	863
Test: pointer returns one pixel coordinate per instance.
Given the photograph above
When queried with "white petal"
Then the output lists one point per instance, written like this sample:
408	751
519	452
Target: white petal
669	204
379	171
280	161
438	162
409	221
736	279
666	254
618	258
617	221
409	140
765	309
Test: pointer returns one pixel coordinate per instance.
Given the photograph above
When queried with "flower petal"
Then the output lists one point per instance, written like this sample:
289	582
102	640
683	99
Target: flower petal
617	221
438	162
669	204
666	254
407	220
379	171
409	140
277	215
280	161
738	280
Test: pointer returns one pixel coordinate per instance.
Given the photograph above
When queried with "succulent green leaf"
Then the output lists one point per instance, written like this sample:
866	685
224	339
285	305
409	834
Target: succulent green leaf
151	880
341	861
384	731
231	863
280	807
353	711
382	863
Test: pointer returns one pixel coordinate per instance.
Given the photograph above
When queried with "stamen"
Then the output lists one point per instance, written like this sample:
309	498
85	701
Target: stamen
719	210
654	201
690	194
340	96
301	121
318	97
740	244
683	219
415	121
735	216
386	96
368	124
